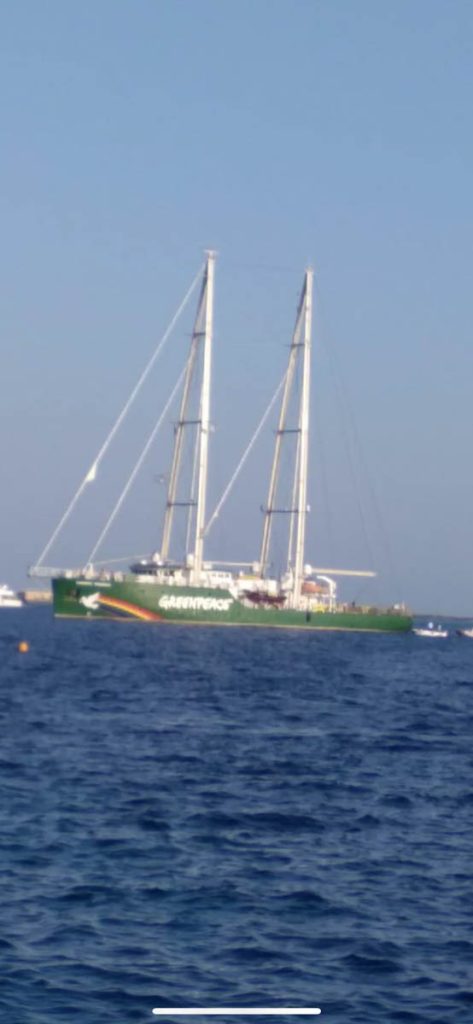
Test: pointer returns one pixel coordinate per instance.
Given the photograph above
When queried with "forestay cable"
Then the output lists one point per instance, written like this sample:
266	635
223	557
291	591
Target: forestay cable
92	472
244	456
137	466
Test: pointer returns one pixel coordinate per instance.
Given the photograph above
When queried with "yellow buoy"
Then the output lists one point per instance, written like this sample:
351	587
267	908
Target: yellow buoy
23	646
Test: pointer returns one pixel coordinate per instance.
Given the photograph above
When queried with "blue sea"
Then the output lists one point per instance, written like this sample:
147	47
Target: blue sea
198	817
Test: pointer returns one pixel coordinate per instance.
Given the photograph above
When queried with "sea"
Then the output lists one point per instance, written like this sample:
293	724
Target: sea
197	817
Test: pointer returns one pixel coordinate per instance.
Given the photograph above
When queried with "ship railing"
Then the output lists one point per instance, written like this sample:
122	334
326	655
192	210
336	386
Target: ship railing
47	572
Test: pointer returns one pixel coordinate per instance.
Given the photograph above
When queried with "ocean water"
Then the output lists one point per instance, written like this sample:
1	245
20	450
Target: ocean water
216	817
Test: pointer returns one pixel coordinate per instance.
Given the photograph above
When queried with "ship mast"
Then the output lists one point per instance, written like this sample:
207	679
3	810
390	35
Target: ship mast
300	350
302	508
204	419
201	343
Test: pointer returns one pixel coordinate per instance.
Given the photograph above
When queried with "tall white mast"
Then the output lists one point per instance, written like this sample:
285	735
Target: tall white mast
204	420
201	345
303	441
300	350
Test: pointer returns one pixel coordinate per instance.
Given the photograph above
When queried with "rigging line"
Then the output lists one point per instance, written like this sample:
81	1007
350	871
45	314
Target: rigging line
123	558
91	473
346	422
290	560
324	490
243	459
267	267
368	479
137	466
190	516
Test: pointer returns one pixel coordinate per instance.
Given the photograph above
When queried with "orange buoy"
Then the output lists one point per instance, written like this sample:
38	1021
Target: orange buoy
23	646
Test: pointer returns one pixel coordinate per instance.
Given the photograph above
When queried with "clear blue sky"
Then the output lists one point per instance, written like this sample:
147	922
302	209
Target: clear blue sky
134	135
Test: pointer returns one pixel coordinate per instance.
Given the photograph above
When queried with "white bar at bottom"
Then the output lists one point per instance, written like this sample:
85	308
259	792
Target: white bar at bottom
240	1011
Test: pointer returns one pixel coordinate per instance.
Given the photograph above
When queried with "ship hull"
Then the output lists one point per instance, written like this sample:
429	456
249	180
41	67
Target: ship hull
150	601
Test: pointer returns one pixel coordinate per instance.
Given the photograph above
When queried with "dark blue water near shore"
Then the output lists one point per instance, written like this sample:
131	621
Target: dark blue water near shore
229	817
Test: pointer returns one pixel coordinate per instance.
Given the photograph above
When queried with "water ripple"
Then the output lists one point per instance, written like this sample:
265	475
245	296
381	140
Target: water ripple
216	817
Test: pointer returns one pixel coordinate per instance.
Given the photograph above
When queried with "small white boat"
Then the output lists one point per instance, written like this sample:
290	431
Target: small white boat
465	632
8	598
431	631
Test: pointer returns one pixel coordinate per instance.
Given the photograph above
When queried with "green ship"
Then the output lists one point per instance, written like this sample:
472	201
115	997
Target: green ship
191	590
161	602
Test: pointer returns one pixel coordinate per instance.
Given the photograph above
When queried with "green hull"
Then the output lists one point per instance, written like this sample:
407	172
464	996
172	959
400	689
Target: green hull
149	601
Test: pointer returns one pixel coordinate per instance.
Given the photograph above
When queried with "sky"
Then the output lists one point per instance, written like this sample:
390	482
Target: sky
282	133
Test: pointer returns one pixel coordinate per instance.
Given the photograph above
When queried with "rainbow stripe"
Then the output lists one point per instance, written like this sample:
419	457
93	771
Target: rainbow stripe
129	609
